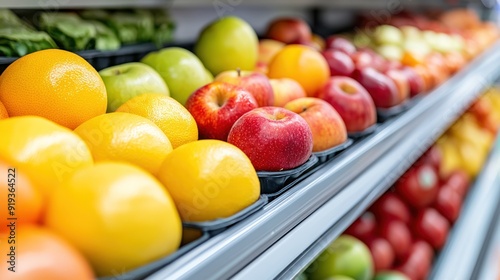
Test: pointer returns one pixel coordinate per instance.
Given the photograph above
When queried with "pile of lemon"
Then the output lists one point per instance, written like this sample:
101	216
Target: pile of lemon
96	193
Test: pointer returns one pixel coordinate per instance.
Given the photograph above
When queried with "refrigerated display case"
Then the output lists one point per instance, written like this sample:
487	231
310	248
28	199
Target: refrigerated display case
282	238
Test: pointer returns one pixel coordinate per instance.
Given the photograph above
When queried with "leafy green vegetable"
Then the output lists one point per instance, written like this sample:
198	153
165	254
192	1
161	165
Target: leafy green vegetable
71	32
132	27
18	41
17	38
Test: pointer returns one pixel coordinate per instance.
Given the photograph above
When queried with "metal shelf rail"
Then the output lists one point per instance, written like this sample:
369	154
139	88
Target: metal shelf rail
287	234
464	247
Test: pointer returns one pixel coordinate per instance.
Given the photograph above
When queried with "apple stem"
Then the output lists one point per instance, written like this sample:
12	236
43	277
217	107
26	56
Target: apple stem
238	70
304	109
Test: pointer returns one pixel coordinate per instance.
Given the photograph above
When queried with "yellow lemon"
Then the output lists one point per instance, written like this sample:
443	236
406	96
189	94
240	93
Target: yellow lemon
43	150
125	137
209	179
119	216
168	114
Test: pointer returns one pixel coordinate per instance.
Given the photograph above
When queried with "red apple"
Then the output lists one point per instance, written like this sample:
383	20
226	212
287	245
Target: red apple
327	127
340	63
416	82
216	106
273	138
401	82
364	227
352	102
268	49
382	253
255	83
361	59
432	227
399	236
289	31
340	44
382	89
377	61
417	265
448	203
286	90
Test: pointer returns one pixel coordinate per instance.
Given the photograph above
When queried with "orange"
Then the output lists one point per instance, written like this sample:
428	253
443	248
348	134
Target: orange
43	150
119	216
41	254
26	200
303	64
209	179
58	85
3	112
411	59
126	137
168	114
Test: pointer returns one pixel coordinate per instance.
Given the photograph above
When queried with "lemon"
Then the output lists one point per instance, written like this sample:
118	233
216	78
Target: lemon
119	216
125	137
209	179
46	152
168	114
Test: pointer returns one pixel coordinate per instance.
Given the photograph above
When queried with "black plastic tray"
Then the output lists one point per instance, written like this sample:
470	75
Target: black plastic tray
293	182
216	226
274	181
325	155
384	114
359	134
146	270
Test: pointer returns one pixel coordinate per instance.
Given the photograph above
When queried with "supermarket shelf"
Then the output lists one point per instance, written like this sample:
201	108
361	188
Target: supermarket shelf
357	4
466	242
290	231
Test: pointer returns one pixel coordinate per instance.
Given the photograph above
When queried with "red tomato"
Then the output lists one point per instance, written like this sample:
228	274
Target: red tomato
418	263
448	203
398	235
418	186
431	227
363	228
391	207
382	253
459	181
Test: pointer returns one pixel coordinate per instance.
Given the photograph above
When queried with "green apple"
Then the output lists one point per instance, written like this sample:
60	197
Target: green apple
387	34
227	44
411	32
346	256
390	52
180	69
129	80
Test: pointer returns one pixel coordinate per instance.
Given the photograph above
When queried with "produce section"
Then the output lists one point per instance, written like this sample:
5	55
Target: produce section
345	114
411	222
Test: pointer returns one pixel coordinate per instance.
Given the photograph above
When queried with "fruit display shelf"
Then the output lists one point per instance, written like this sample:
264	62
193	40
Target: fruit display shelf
279	240
467	243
